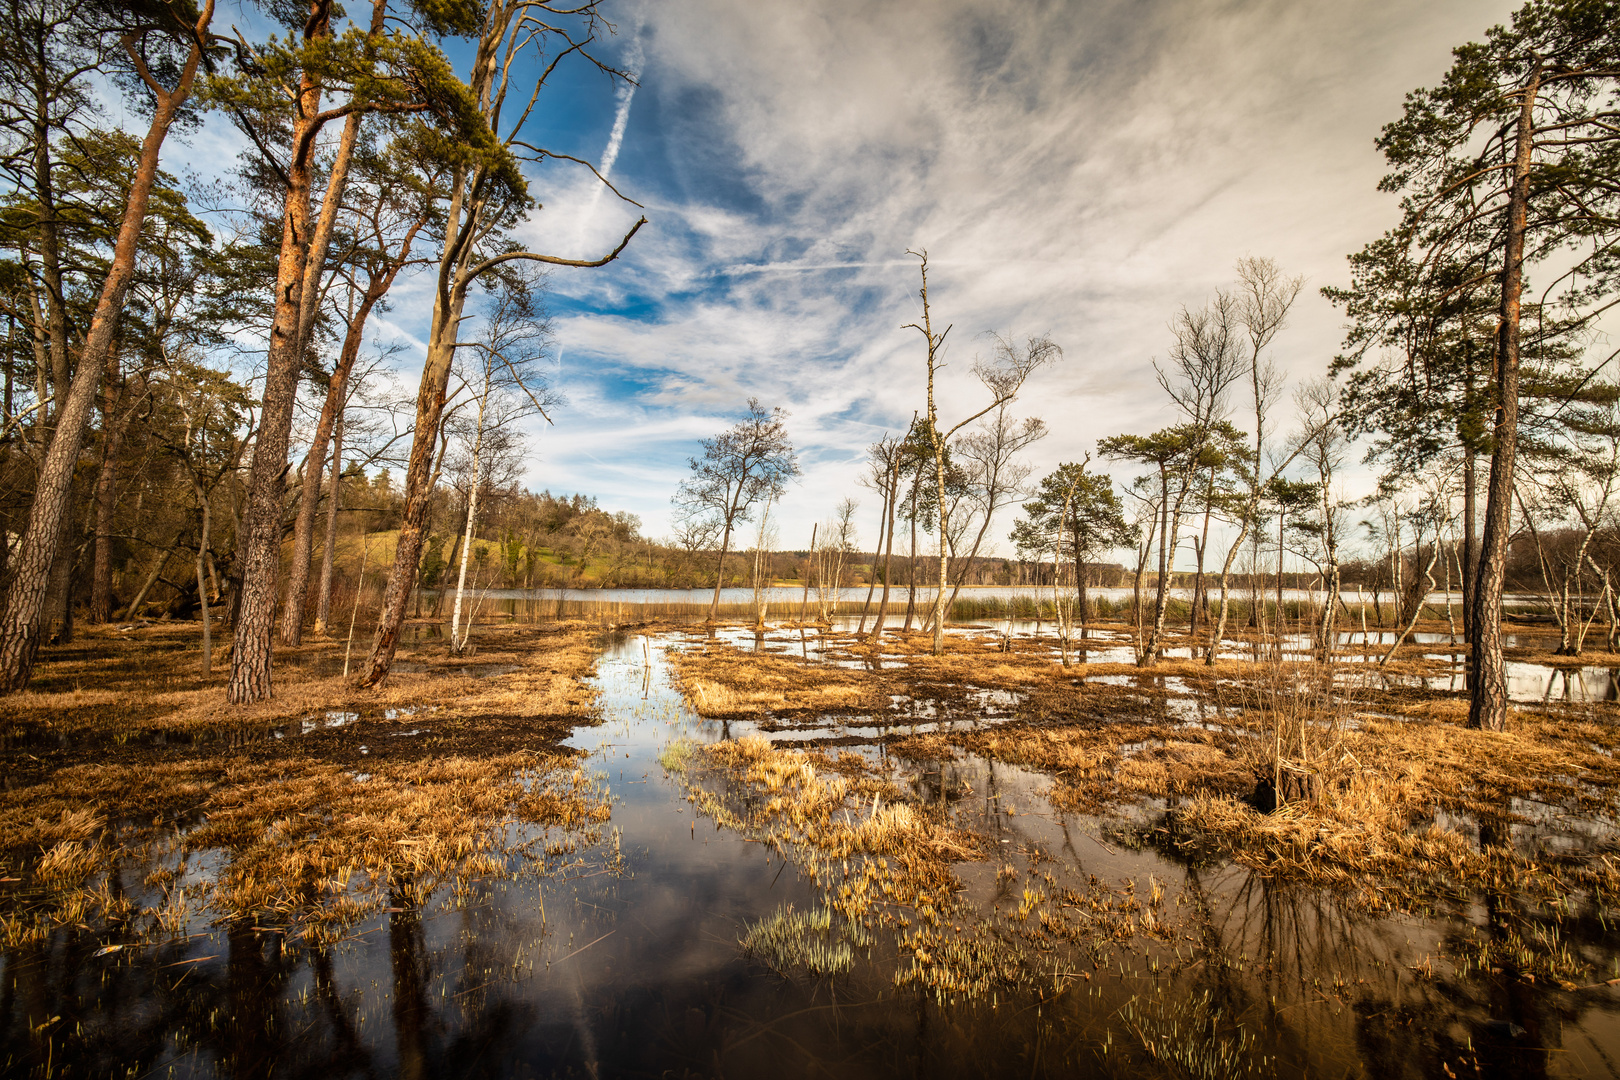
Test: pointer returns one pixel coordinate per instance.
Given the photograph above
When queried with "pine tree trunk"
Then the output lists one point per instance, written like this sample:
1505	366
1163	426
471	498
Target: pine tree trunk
1487	689
260	542
337	388
323	604
418	491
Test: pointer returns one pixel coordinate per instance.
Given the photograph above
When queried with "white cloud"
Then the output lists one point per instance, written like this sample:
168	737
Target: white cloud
1078	169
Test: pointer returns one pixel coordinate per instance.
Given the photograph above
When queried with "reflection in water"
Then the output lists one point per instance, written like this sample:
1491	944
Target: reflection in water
598	971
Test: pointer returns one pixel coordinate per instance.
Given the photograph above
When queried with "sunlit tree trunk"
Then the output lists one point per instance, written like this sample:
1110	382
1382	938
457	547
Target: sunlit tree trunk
260	539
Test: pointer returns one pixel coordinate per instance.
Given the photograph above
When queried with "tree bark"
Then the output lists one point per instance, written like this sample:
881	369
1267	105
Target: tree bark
1487	684
20	624
430	399
337	389
260	542
292	614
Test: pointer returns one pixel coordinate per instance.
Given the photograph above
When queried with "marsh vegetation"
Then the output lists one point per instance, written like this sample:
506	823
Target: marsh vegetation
327	748
980	862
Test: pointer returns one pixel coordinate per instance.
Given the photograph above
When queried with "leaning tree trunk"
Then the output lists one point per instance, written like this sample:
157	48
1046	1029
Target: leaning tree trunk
260	541
1414	603
871	586
719	573
1167	561
1226	569
1487	683
430	401
30	566
457	643
888	558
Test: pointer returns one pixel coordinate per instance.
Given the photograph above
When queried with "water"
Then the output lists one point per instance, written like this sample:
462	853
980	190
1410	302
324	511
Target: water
789	599
626	961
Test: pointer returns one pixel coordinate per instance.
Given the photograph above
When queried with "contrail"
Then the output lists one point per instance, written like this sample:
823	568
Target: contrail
621	116
625	94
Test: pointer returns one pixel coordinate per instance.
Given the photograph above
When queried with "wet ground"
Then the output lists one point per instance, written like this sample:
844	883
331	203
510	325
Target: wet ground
1064	944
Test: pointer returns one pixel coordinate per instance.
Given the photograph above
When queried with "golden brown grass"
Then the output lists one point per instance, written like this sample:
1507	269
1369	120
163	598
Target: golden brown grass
1386	790
312	831
721	680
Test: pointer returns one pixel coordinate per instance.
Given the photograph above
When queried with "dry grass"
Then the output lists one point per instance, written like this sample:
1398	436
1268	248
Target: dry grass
721	680
887	867
139	810
1383	789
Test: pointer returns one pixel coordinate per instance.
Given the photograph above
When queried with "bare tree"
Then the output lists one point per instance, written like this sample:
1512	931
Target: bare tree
739	468
1323	447
995	478
1003	376
1204	363
1573	477
837	542
1264	297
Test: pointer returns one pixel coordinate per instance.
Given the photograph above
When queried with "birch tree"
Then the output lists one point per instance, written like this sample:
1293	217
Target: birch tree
503	385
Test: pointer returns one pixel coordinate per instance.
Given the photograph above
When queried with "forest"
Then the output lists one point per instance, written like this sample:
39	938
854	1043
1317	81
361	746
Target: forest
1266	727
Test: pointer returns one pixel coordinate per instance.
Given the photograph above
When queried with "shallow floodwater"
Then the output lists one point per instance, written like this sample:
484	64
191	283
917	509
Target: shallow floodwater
627	962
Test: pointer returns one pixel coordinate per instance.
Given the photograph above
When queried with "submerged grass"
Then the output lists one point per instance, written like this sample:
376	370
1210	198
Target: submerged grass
816	941
1350	775
886	863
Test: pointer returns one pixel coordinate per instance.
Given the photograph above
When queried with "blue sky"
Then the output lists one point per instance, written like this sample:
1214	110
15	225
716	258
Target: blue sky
1074	168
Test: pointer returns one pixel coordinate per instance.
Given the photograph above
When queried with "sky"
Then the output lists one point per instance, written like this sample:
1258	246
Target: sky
1078	169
